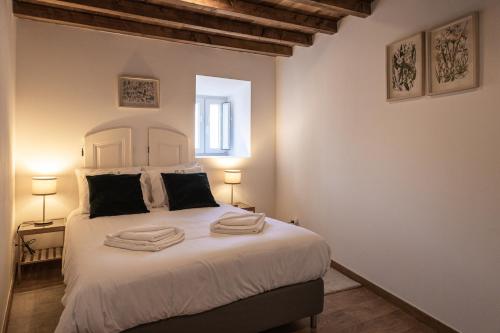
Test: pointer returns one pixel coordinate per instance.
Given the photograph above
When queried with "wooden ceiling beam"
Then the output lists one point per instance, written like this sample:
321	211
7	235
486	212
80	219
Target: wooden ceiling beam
256	12
110	24
360	8
183	19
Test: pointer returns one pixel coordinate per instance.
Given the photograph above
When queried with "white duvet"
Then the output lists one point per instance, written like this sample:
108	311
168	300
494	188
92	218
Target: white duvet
110	289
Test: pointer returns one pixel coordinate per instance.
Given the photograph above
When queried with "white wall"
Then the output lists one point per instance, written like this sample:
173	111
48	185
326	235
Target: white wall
7	102
407	194
67	86
241	104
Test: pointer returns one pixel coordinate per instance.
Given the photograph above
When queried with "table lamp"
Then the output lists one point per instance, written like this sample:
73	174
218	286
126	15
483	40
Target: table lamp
232	177
43	186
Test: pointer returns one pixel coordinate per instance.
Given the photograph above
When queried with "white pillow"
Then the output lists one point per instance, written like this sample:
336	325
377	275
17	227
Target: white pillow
159	194
83	185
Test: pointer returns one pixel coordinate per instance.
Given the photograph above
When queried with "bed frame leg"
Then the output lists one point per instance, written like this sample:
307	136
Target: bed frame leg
314	321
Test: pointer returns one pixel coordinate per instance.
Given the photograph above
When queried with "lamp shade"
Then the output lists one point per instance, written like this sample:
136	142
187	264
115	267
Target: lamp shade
43	185
232	176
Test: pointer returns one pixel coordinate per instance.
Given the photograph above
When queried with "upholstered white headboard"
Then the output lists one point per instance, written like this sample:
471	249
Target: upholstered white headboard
111	148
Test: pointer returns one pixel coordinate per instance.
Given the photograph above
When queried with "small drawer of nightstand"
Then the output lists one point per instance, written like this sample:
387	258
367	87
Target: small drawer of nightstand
245	206
24	257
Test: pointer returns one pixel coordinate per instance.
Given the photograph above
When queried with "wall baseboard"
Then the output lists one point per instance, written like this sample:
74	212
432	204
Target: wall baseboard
412	310
8	307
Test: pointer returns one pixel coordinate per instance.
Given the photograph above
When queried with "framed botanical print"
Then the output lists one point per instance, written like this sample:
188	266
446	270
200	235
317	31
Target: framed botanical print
454	56
138	92
406	68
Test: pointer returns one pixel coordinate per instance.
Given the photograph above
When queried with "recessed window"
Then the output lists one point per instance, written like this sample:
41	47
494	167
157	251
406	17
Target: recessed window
213	125
222	117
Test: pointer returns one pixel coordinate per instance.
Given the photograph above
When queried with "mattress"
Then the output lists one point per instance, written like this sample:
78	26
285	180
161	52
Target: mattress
110	289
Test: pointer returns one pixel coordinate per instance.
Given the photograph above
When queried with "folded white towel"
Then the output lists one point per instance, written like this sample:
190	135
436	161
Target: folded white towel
145	233
139	245
235	218
232	225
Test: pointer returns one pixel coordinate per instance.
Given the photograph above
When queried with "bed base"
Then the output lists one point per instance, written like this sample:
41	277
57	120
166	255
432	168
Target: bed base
250	315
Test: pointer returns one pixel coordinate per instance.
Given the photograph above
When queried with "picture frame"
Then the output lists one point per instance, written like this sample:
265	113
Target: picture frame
453	56
405	68
138	92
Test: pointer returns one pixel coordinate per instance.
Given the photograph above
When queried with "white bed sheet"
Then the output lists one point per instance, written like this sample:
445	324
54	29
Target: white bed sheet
110	289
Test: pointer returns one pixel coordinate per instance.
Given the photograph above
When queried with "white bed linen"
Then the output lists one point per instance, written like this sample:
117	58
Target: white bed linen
110	289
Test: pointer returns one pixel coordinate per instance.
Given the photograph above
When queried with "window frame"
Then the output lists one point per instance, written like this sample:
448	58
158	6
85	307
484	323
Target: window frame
204	126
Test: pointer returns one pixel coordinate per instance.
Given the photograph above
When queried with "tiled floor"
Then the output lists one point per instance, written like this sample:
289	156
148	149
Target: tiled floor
358	311
37	306
36	310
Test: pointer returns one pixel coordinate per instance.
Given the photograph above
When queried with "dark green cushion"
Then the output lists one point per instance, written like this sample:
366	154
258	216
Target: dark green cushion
111	195
189	190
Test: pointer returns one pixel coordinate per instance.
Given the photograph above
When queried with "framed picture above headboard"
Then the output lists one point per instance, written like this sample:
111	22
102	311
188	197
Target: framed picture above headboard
135	92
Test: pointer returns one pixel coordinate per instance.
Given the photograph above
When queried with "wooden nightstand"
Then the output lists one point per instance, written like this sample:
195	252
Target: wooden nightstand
245	206
24	257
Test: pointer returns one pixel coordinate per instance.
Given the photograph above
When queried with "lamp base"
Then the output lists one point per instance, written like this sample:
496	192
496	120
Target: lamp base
43	223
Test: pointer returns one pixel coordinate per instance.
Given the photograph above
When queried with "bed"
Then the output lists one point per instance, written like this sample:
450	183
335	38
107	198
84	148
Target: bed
208	283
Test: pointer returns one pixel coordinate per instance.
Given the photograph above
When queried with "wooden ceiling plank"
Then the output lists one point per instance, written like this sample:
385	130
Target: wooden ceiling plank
110	24
178	18
259	13
360	8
